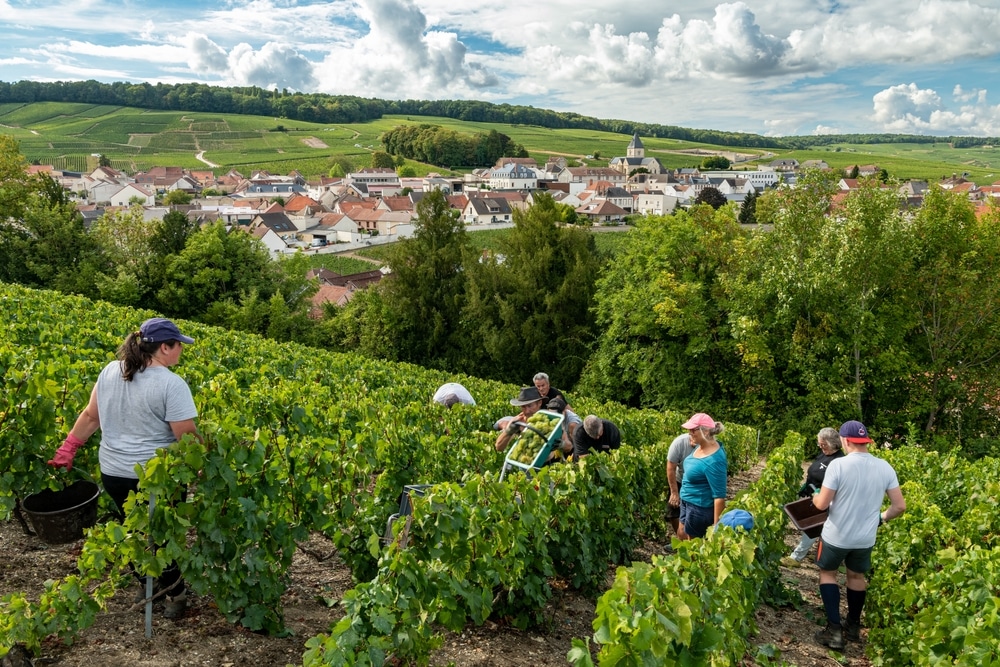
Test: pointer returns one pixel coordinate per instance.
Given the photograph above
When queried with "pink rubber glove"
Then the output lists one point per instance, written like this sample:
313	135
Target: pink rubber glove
65	453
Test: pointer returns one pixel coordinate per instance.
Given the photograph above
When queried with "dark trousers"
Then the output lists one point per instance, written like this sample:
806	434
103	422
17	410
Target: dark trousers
119	488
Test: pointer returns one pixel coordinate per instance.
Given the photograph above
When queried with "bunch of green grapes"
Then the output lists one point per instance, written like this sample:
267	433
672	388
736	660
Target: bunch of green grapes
531	442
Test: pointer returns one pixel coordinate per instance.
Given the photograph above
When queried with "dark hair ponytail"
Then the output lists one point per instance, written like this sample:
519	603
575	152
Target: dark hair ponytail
135	355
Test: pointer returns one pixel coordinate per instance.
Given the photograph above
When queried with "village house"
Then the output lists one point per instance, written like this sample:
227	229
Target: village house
513	176
271	240
486	210
761	178
654	203
618	196
374	176
580	178
602	212
334	228
277	222
126	195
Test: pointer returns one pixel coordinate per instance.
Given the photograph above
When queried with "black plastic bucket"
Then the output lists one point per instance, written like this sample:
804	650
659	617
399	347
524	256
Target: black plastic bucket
59	517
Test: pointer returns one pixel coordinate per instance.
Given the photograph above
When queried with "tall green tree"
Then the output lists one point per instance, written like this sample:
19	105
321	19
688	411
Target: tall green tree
662	317
126	239
777	308
215	265
815	306
382	160
529	304
171	236
952	294
748	209
56	251
711	196
424	293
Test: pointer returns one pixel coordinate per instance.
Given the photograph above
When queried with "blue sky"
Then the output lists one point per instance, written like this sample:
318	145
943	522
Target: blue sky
776	68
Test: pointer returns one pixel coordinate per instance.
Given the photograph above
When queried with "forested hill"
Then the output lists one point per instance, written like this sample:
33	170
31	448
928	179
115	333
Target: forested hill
322	108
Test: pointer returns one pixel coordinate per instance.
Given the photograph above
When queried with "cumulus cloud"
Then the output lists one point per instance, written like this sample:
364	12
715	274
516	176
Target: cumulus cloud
906	108
273	66
730	45
204	54
826	129
401	57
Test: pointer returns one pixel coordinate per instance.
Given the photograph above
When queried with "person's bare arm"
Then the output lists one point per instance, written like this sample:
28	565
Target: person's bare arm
89	420
675	494
182	428
897	504
822	500
720	508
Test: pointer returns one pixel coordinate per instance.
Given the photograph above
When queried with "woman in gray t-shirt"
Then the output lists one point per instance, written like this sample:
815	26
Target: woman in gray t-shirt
139	405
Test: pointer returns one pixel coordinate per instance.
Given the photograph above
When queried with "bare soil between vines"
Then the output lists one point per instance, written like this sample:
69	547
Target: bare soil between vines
318	580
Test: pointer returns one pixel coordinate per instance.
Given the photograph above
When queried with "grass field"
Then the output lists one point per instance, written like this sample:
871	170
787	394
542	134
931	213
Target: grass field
62	133
607	243
345	266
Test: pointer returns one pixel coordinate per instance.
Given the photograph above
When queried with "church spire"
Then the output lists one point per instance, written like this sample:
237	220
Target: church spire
635	147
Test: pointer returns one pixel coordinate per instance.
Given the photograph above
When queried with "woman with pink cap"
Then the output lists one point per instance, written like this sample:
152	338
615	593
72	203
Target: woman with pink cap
703	494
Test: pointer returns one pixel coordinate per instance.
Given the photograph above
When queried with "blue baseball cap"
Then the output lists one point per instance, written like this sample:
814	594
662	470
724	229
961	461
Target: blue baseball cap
854	432
737	519
161	330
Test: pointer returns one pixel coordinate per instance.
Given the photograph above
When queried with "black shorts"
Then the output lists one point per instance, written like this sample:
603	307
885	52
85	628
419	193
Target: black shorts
673	512
829	557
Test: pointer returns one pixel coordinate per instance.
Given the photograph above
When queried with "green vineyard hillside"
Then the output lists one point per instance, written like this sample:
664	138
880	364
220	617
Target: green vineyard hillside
299	441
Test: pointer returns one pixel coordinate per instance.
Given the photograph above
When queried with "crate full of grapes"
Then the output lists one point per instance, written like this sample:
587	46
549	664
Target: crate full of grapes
541	433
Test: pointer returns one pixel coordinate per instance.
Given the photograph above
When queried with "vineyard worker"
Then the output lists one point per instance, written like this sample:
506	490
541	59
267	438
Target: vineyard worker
703	493
852	490
681	448
597	435
571	422
829	444
451	393
546	390
140	405
530	402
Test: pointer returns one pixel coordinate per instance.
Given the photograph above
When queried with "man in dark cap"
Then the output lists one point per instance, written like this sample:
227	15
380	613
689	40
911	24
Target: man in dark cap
853	489
530	402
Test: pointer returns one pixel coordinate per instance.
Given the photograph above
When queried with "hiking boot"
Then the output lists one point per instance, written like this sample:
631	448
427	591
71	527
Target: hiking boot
852	631
831	636
175	606
788	561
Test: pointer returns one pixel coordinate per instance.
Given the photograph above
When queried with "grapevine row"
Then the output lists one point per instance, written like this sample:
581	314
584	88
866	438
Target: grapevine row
696	607
298	441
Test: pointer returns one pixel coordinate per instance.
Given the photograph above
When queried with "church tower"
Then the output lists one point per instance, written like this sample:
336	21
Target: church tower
635	147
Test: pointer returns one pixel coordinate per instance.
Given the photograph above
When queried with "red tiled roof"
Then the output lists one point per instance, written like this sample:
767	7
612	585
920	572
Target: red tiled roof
398	203
335	294
330	219
300	202
457	201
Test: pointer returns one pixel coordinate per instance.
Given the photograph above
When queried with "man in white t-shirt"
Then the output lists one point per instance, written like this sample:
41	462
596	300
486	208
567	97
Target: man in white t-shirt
451	393
853	490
